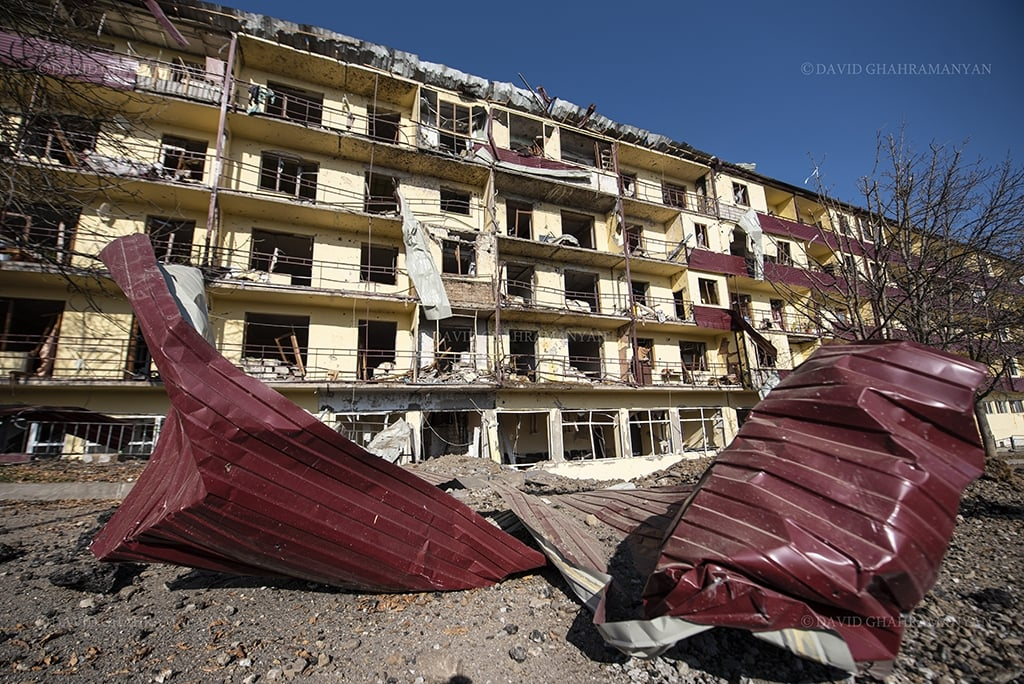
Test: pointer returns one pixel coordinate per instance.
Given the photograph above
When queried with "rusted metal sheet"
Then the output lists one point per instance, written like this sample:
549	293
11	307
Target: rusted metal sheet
242	480
830	513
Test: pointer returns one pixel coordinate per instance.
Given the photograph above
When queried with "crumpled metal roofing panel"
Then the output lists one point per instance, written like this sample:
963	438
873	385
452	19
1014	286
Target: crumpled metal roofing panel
834	506
242	480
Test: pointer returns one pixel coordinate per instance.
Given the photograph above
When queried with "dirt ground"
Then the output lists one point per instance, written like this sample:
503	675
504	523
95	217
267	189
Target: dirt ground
67	617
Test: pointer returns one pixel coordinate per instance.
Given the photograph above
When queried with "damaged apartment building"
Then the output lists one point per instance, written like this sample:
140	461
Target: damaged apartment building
429	262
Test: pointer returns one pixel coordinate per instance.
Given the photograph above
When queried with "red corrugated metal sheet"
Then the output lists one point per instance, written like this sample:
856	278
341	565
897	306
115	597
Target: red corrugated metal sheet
835	504
242	480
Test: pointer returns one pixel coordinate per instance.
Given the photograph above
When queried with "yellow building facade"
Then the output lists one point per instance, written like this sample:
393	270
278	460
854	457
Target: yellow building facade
408	252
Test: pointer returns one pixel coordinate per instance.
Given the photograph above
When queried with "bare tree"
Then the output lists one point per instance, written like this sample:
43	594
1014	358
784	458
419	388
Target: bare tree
935	255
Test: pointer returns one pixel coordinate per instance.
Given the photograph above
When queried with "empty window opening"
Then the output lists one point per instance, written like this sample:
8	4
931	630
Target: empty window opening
458	254
739	245
582	149
383	125
694	358
650	433
740	195
39	233
579	226
523	438
585	356
295	104
451	432
673	195
743	305
639	290
702	429
378	264
453	347
63	139
778	316
634	240
172	239
519	217
29	334
526	135
380	194
588	435
679	301
376	348
581	291
274	346
455	201
289	175
519	284
522	349
700	232
183	158
708	289
628	184
283	253
138	362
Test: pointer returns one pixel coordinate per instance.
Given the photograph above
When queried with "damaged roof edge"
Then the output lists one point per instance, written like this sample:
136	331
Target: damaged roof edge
345	48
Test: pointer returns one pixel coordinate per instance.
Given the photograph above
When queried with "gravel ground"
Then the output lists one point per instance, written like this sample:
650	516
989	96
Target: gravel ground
67	617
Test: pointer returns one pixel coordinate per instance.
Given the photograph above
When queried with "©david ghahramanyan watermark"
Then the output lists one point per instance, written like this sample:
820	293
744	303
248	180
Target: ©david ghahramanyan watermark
895	69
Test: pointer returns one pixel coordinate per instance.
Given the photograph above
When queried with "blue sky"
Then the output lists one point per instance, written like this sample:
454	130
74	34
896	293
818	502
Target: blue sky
768	83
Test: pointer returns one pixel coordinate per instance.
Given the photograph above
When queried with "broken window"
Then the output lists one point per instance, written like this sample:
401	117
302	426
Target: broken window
784	252
579	226
743	305
702	429
376	348
693	356
740	195
63	139
450	126
634	240
172	239
295	104
639	290
29	331
519	217
274	346
458	254
380	194
588	435
778	319
582	149
522	346
526	135
39	233
523	438
451	432
288	174
628	184
384	125
183	158
519	284
378	264
700	232
284	253
738	246
673	195
765	359
642	364
678	299
581	291
585	356
138	363
708	289
453	346
844	225
455	201
650	433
